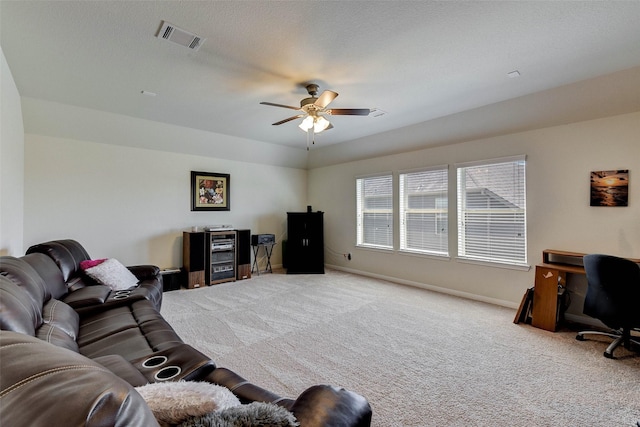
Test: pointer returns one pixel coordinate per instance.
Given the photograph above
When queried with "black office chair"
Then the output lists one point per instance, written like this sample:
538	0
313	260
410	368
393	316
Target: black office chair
613	297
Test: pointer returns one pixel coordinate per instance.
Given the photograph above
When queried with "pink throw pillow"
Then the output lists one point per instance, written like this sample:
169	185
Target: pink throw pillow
91	263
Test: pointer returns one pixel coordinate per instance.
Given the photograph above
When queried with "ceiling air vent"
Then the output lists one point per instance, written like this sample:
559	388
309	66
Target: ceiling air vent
376	112
179	36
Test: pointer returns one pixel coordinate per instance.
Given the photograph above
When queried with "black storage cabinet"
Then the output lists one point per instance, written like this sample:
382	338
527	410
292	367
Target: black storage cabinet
305	242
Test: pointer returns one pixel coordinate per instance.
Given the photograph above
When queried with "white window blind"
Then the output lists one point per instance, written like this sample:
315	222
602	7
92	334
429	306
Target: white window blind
492	211
423	211
374	199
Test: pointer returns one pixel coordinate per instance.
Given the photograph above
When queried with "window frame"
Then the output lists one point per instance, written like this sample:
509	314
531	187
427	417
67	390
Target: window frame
468	247
440	213
361	211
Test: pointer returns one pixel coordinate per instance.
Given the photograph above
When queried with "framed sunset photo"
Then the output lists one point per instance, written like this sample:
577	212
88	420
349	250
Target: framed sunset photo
610	188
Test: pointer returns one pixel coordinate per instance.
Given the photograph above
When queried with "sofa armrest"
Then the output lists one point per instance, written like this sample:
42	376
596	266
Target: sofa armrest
244	390
97	298
318	406
44	385
123	369
326	406
144	272
149	278
178	363
87	296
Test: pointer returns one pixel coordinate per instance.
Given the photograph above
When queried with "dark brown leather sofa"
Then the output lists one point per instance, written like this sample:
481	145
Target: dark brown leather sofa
68	254
64	336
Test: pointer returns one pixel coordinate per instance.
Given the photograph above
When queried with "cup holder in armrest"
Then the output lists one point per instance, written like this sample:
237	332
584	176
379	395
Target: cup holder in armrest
181	362
163	374
167	373
122	294
154	362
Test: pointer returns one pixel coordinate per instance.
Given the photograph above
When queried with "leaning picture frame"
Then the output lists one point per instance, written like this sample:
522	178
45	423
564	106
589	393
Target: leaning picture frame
210	191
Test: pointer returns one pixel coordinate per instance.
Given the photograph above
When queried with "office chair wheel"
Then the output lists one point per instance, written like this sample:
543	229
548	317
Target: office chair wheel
608	355
580	337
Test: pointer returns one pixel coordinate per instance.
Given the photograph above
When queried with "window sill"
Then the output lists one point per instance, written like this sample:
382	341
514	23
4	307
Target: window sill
439	257
521	267
375	248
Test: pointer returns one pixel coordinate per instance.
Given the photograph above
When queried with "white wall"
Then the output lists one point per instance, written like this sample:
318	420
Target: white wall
133	204
83	124
11	164
559	162
113	183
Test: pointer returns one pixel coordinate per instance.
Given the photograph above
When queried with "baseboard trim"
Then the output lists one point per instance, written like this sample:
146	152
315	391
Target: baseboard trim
467	295
575	318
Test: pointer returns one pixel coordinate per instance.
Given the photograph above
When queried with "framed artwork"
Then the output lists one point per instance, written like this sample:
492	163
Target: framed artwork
610	188
210	191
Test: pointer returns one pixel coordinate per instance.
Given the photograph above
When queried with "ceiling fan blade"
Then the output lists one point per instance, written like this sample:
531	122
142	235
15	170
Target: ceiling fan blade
280	105
325	98
349	111
288	119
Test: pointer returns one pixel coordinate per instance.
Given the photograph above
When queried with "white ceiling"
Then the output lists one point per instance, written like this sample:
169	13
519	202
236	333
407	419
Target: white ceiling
419	61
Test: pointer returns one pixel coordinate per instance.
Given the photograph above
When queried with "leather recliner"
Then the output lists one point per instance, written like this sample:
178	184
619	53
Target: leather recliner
42	302
68	254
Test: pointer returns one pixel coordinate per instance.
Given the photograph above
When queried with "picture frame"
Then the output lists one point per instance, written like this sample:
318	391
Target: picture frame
609	188
210	191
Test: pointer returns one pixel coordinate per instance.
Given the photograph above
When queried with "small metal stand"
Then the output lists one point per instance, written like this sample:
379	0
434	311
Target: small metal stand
268	250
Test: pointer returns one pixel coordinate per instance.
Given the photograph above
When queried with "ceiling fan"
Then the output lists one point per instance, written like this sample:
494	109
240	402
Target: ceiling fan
314	109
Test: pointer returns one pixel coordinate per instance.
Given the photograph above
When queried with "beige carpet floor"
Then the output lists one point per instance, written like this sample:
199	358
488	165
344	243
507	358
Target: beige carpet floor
421	358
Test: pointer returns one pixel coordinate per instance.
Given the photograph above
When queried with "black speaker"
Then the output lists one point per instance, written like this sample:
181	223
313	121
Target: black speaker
244	246
193	251
243	254
263	239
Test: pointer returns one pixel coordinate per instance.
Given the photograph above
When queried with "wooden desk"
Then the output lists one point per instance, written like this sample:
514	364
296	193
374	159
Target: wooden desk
551	278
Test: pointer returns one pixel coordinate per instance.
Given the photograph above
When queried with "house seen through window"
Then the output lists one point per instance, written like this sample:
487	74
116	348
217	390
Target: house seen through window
490	217
491	201
374	199
424	211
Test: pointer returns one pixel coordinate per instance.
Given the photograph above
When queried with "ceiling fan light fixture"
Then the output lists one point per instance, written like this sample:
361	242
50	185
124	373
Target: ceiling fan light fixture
313	109
320	124
306	124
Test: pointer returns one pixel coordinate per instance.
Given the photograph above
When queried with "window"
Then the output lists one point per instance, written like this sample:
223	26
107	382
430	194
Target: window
374	199
492	211
423	211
